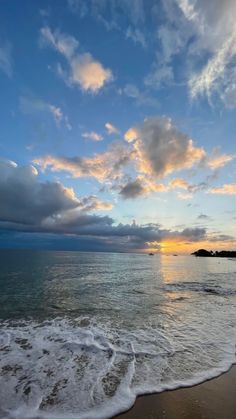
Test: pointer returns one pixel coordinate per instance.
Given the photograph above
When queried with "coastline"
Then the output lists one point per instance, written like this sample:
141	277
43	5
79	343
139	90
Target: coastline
212	399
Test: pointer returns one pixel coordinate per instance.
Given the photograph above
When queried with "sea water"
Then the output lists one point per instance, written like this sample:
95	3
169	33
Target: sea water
82	334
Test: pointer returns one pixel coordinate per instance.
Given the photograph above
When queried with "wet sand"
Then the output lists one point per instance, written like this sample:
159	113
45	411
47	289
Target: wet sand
213	399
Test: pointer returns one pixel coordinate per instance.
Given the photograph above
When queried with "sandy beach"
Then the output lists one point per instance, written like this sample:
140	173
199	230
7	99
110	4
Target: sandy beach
213	399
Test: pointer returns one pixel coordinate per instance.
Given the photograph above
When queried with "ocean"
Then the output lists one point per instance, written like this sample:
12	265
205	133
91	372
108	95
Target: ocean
82	334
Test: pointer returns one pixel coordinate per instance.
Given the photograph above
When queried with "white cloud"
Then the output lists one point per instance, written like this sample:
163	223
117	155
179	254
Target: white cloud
184	195
57	113
204	32
30	106
226	189
63	43
217	160
228	96
159	76
140	98
86	72
111	13
6	58
136	36
111	129
131	90
92	135
212	76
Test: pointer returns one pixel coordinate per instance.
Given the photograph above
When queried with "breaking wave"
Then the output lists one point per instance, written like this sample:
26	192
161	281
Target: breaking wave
82	369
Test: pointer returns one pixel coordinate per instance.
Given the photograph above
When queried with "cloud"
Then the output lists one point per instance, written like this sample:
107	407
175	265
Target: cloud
86	72
6	58
184	195
111	14
203	35
98	234
152	151
161	149
111	129
31	206
141	186
132	189
25	200
189	189
144	185
136	36
92	202
171	38
215	34
37	206
217	160
200	34
212	76
57	113
141	98
203	217
105	166
154	156
229	96
193	234
31	106
226	189
159	76
92	135
63	43
190	234
221	238
179	183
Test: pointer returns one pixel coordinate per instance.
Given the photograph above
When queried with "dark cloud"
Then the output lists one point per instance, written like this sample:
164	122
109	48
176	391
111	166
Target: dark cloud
33	208
203	217
194	234
132	189
27	201
97	233
221	238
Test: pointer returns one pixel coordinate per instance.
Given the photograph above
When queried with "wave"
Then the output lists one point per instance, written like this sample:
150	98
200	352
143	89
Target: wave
208	287
85	369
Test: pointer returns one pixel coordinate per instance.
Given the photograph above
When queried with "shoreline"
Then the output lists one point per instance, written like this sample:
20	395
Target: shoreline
212	399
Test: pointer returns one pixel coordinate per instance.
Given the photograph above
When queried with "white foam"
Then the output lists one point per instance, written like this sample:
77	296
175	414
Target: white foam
60	369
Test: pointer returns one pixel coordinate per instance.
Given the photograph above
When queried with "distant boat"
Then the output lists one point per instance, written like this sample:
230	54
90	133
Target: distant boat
175	255
151	254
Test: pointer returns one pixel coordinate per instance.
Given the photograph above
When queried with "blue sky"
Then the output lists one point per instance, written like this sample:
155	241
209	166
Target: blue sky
118	124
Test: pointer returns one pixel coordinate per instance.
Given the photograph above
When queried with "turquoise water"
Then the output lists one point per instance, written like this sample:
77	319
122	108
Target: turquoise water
82	334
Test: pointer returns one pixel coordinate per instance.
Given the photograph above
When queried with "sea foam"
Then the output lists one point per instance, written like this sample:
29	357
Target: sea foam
63	369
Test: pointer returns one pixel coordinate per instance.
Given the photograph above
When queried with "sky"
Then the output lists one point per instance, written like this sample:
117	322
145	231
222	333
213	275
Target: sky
118	122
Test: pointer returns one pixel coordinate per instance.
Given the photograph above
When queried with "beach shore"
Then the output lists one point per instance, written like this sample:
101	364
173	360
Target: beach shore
213	399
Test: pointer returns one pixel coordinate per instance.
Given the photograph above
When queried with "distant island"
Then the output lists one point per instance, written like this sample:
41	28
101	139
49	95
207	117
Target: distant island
221	254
